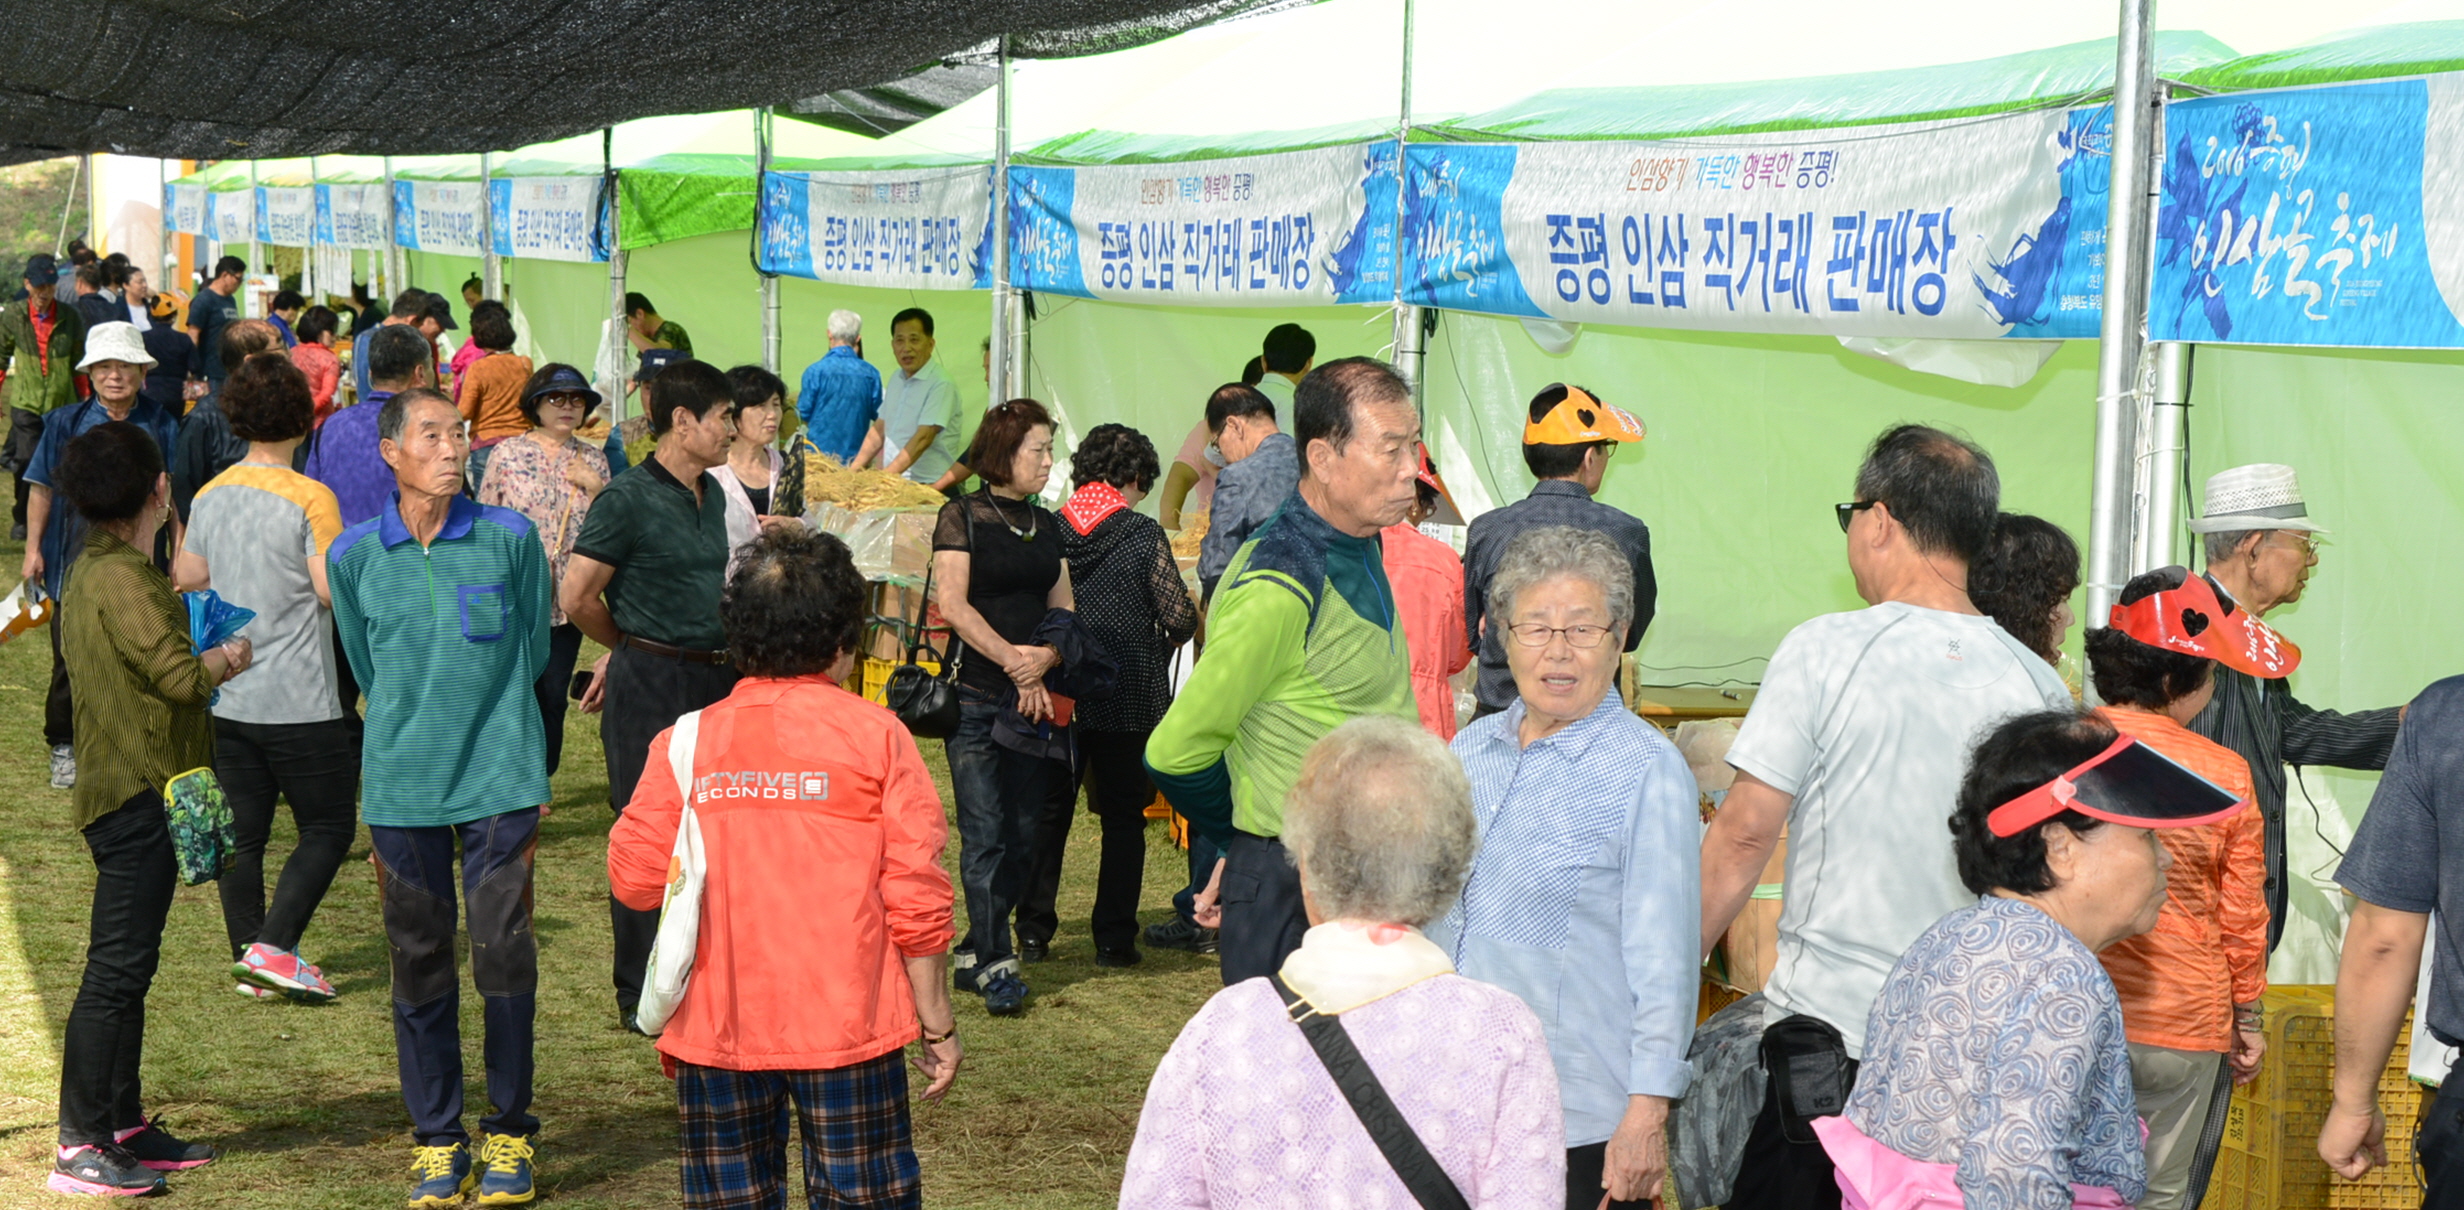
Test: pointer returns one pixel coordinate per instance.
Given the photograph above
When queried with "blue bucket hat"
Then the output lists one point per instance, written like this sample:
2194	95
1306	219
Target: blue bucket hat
565	380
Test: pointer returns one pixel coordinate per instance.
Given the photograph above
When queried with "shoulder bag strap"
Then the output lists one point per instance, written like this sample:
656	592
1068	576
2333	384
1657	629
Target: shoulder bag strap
681	741
1395	1139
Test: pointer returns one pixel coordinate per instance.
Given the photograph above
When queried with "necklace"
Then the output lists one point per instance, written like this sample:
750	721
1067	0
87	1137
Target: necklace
1025	535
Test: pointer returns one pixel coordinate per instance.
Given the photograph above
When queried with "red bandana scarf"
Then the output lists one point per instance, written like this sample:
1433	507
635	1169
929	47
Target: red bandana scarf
1091	504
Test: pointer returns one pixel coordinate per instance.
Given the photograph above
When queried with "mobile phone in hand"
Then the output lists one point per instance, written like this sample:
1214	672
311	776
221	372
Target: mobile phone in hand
581	685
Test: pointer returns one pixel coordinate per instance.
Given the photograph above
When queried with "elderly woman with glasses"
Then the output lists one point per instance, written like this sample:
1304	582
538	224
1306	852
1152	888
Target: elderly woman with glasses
1244	1111
1997	1073
1585	899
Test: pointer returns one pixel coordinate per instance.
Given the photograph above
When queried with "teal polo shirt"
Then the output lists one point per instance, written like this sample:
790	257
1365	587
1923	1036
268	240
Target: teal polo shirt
670	554
447	640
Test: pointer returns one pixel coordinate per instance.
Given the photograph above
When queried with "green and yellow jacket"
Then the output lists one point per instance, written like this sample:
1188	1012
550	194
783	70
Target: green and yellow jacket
1302	638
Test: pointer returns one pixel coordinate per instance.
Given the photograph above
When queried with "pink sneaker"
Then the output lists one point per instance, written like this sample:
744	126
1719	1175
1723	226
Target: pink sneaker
254	992
283	971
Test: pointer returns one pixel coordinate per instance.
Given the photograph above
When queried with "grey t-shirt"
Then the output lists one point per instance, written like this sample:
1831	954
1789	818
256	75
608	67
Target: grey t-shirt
910	402
256	527
2415	825
1866	719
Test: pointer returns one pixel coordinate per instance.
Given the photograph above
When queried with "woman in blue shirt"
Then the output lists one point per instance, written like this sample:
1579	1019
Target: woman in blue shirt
1586	896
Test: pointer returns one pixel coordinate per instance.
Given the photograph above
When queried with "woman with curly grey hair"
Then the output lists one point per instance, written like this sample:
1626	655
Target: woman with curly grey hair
1586	898
1244	1111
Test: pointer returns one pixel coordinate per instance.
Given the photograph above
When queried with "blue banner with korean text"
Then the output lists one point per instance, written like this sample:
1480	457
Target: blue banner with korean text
1292	229
438	216
2314	216
899	229
1964	229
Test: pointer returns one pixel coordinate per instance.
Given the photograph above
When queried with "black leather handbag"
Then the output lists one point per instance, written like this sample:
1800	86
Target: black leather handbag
925	702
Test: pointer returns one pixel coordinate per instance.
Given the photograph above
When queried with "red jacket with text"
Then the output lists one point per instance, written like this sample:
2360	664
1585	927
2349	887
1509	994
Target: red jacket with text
823	835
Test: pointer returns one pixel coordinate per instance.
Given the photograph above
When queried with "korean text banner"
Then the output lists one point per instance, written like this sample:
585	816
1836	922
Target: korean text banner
437	216
185	204
231	217
548	217
2314	216
351	216
1295	228
1965	229
914	229
286	217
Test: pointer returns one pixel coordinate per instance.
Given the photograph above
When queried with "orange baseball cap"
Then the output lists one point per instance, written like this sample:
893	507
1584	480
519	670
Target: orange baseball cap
1579	419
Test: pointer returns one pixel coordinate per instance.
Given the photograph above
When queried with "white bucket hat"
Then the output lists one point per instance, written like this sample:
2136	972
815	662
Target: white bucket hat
116	342
2263	495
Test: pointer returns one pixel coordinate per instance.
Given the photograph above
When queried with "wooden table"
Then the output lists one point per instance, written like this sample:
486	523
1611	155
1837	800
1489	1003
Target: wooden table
1666	706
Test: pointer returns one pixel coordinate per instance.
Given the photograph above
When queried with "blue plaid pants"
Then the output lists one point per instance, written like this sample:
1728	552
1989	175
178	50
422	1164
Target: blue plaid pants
858	1151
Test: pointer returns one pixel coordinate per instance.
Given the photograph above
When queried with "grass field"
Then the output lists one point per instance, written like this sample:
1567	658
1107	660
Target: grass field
304	1101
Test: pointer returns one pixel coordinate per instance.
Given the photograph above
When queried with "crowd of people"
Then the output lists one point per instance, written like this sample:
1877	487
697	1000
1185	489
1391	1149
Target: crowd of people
2022	944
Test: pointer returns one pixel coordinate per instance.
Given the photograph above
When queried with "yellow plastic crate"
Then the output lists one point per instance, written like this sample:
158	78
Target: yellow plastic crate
2269	1159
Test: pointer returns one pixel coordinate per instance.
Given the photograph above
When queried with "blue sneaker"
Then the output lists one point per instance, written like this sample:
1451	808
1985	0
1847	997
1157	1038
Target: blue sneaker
444	1174
1005	994
506	1180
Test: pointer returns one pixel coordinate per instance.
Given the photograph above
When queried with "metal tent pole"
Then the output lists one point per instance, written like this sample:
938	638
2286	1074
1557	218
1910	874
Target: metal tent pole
1005	379
619	365
256	252
2156	544
1410	350
491	266
769	281
160	271
2111	518
392	249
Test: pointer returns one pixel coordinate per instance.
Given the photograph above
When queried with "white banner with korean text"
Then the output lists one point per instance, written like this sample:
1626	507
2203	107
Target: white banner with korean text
1295	228
438	216
287	215
548	217
899	229
352	216
1962	229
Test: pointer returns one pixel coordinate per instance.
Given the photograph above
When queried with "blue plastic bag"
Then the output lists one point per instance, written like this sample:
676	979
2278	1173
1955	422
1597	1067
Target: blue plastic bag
213	622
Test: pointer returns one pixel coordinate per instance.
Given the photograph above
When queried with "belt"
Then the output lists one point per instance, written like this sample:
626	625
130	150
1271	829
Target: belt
680	654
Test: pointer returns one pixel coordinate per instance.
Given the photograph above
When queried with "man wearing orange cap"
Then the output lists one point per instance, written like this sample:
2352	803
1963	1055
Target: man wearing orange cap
1566	443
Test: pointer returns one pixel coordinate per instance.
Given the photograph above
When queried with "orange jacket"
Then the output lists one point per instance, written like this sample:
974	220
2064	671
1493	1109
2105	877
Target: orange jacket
1427	577
823	835
2208	952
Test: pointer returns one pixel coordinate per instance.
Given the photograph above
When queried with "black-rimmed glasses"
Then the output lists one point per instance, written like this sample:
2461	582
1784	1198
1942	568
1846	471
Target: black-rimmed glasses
1848	512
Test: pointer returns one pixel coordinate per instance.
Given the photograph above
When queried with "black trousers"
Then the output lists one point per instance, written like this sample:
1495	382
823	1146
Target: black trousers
134	875
645	696
1584	1166
316	767
416	872
555	680
1112	766
25	432
346	687
59	713
2439	1146
1262	914
1777	1174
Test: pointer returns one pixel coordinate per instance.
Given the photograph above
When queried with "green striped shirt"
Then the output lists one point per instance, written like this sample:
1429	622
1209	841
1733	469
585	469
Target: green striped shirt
447	640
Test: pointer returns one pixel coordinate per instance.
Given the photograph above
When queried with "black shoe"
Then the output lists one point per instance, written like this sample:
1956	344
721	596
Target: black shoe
963	977
632	1021
1005	994
1127	955
107	1171
1183	935
17	533
156	1148
1034	951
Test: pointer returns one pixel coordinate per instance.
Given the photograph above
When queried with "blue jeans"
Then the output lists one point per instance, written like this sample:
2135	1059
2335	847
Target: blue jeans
1000	793
415	879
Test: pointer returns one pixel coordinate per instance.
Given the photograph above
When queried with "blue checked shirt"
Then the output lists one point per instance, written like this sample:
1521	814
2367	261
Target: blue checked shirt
1585	899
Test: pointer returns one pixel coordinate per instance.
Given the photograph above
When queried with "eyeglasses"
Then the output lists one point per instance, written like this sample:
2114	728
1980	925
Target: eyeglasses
2308	546
1533	634
1848	512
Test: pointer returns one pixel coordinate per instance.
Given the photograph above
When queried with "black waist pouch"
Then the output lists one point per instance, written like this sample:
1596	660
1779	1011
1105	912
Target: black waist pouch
1810	1073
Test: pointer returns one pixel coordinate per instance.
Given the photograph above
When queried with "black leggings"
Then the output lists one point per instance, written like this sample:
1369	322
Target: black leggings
1113	766
134	875
316	767
564	648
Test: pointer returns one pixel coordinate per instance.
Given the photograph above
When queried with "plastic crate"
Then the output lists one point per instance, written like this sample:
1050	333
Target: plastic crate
2269	1157
877	675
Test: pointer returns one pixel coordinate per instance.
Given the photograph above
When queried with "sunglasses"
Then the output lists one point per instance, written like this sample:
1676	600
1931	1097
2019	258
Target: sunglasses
1848	512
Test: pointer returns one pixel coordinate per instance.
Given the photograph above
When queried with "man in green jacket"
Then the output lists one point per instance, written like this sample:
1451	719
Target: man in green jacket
41	342
1301	638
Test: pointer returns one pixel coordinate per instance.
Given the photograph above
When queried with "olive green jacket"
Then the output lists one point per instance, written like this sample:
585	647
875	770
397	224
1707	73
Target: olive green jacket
32	388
